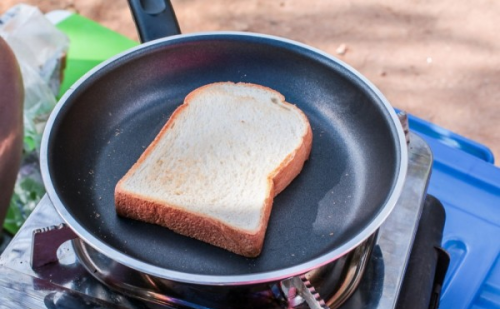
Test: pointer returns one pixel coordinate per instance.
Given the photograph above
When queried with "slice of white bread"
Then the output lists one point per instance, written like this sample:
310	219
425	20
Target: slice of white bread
214	169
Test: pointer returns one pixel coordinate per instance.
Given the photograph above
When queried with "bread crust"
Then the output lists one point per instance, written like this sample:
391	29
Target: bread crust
193	225
210	230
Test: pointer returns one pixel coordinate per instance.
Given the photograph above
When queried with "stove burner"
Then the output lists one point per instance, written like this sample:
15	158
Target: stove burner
67	282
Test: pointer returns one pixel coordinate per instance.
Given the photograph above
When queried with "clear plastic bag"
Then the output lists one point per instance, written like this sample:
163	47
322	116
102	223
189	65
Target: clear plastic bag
40	49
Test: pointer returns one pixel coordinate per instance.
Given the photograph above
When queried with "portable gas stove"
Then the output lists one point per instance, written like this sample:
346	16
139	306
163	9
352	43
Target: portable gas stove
382	281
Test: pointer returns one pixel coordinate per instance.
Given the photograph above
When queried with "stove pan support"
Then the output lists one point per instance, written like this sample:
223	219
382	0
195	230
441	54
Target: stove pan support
45	243
298	290
312	287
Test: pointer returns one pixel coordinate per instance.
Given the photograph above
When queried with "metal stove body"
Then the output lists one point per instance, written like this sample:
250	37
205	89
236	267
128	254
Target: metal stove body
68	284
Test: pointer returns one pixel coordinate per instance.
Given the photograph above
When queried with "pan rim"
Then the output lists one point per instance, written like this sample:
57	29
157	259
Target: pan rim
242	279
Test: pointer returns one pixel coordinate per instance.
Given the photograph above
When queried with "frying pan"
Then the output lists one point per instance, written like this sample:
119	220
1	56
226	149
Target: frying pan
105	121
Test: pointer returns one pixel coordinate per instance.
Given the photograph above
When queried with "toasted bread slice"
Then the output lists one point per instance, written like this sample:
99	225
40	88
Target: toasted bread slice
214	169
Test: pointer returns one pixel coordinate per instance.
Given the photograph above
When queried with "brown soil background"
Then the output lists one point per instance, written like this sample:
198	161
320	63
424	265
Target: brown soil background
438	60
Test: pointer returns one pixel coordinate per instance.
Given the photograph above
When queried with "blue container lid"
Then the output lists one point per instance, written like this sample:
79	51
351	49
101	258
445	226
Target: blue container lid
469	188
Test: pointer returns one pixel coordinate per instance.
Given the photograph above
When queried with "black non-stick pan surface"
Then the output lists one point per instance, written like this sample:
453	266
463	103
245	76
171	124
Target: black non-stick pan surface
103	124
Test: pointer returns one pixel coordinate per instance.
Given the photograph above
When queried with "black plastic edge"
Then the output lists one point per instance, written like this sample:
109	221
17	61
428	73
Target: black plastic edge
428	262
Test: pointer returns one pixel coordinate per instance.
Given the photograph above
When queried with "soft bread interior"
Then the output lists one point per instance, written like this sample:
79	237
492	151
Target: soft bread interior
218	153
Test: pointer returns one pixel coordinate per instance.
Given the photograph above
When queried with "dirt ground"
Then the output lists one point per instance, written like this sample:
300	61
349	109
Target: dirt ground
438	60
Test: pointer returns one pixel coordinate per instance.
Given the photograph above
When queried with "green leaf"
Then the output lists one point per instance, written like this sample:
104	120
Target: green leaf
14	218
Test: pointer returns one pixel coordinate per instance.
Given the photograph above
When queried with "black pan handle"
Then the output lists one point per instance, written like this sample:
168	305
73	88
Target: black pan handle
154	19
